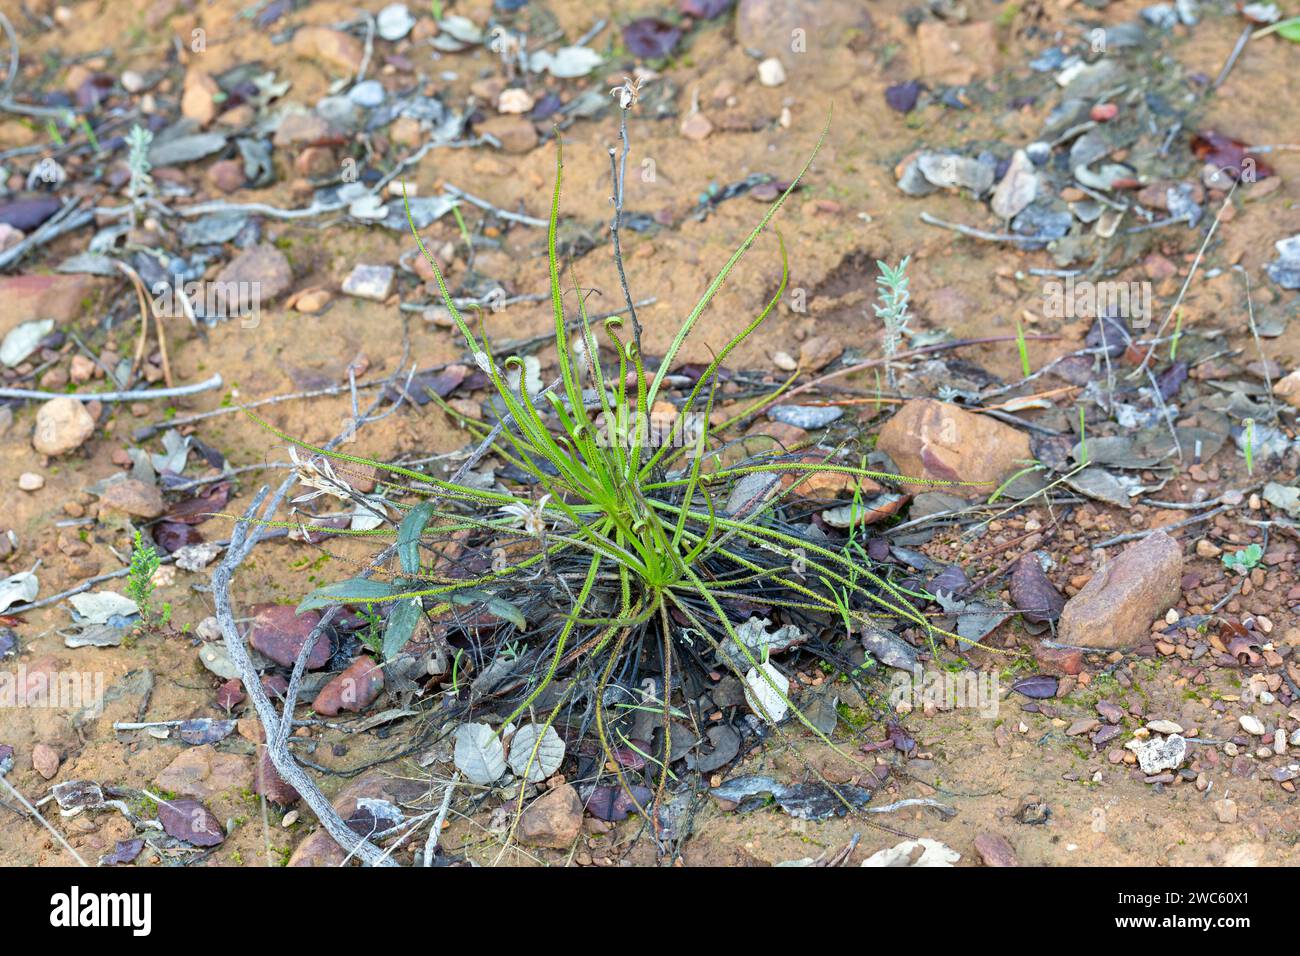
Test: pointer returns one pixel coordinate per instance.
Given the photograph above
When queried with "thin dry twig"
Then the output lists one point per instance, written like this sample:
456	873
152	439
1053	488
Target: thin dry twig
132	395
435	833
1138	535
242	543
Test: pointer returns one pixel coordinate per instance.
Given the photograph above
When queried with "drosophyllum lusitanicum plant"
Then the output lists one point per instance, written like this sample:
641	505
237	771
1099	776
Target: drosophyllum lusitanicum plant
617	564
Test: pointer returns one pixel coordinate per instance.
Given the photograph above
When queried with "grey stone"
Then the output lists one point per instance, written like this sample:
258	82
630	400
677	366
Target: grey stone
807	417
370	282
1161	753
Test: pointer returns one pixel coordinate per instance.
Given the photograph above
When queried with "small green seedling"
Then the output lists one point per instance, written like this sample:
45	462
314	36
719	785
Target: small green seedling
1083	438
1244	560
892	309
1178	334
1024	350
139	584
1250	446
89	132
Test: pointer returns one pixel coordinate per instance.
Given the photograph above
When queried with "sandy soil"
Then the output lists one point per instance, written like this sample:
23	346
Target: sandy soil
849	214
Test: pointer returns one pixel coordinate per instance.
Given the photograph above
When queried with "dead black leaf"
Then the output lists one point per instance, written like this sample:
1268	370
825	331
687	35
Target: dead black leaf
650	38
171	536
951	580
1036	686
190	821
1171	380
724	743
1231	156
1033	593
125	852
202	506
902	97
612	804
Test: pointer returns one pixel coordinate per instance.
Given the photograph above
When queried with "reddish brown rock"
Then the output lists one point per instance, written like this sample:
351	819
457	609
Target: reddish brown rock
203	772
299	128
930	439
227	175
59	297
230	694
1115	609
994	850
268	783
1059	660
818	352
826	485
341	51
133	497
316	162
553	819
262	272
45	760
279	633
319	849
353	690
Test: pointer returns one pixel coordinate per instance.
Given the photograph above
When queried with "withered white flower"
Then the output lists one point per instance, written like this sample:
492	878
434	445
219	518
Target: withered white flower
319	474
532	519
628	93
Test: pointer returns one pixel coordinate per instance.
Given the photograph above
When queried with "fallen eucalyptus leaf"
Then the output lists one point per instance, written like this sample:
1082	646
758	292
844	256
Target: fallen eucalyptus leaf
550	753
96	607
18	588
479	754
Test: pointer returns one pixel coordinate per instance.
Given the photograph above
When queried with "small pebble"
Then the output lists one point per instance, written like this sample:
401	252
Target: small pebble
807	417
30	481
394	22
1164	727
696	127
515	101
1226	810
771	72
369	282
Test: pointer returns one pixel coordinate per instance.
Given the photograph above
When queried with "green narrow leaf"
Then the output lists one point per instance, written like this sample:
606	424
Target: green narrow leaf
408	536
498	606
402	621
1290	29
507	612
351	591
